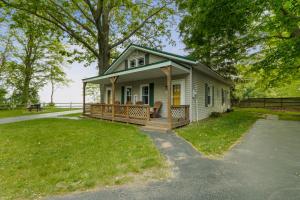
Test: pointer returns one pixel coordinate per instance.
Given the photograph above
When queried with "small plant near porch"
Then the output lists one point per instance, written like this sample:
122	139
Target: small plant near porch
54	156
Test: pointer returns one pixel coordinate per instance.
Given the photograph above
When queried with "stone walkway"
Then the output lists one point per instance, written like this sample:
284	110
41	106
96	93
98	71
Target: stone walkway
36	116
265	165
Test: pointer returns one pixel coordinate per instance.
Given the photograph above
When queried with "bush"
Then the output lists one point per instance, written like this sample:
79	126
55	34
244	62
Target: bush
215	114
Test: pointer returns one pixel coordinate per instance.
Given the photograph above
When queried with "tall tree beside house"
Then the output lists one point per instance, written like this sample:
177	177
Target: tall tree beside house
100	27
262	35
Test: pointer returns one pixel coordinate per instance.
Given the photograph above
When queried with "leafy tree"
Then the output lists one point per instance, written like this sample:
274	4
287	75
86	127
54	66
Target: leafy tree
262	35
56	75
100	27
28	67
92	91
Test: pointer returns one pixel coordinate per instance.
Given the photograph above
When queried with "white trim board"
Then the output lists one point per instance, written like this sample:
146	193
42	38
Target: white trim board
140	69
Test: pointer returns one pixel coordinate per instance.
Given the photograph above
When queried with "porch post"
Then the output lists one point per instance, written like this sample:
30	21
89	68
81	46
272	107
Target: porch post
83	106
168	73
113	81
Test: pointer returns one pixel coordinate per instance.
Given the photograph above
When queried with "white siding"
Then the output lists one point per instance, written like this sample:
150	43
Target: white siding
137	54
160	92
199	110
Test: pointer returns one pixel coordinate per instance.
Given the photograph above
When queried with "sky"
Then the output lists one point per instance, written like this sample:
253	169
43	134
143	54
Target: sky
76	72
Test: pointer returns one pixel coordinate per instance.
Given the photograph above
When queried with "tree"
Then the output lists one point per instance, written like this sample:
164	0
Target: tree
27	69
56	75
262	35
92	91
99	27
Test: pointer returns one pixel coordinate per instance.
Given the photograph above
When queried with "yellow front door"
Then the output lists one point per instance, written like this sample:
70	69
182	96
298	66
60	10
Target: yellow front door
176	94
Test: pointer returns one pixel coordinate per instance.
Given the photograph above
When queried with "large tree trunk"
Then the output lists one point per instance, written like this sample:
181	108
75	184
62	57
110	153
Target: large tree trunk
25	92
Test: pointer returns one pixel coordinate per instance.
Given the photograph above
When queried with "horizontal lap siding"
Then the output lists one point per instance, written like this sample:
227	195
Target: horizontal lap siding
198	102
160	92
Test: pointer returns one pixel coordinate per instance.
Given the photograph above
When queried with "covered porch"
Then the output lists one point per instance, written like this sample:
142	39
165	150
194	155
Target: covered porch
132	96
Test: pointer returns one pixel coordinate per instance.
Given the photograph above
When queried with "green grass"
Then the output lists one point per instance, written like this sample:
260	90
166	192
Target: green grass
214	136
282	114
73	115
52	156
22	112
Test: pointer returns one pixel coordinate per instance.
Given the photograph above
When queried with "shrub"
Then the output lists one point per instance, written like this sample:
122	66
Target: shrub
215	114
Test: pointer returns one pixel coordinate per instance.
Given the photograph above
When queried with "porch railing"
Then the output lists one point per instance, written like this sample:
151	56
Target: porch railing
128	113
180	115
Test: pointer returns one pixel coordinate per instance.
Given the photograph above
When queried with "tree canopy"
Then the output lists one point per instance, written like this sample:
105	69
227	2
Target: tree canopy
261	35
99	27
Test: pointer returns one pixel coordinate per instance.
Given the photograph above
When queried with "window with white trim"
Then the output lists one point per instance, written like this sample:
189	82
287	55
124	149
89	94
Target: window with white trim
128	94
136	62
132	63
145	94
141	61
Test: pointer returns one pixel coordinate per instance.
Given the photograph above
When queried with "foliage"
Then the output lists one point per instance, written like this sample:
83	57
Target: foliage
35	48
262	34
251	86
36	161
93	92
214	136
3	94
100	27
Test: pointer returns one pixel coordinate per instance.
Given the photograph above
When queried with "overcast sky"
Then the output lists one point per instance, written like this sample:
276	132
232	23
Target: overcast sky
76	72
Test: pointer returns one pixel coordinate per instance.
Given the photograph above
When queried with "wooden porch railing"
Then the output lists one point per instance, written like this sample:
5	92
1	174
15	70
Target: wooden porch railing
138	114
180	115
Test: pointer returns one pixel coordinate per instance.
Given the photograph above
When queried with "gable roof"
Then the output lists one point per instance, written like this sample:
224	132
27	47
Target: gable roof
133	47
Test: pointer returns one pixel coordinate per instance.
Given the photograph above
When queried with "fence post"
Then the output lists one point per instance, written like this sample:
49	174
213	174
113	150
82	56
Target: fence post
281	104
264	102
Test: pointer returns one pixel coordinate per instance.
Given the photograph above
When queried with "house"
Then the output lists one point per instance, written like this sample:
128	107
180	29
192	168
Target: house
140	78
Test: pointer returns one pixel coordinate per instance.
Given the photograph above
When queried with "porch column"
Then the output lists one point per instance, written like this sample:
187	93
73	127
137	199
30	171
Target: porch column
113	81
168	72
83	106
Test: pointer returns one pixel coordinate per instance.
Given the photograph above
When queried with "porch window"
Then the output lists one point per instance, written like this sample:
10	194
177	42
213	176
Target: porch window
145	94
128	94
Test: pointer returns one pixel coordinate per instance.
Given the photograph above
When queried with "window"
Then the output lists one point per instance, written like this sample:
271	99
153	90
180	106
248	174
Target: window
132	63
145	94
209	95
223	96
141	61
136	62
128	94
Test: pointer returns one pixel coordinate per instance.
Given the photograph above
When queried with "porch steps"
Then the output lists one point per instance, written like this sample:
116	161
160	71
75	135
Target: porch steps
157	126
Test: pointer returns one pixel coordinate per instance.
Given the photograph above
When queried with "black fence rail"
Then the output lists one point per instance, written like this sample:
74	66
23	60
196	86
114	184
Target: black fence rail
282	103
70	105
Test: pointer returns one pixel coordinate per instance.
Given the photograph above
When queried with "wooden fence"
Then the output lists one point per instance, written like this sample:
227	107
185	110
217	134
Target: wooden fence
280	103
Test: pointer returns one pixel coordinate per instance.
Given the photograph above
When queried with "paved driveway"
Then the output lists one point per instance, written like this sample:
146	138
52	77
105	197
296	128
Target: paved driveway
265	165
36	116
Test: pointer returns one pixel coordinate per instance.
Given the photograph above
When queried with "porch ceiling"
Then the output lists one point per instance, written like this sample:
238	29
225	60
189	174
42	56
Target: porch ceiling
150	72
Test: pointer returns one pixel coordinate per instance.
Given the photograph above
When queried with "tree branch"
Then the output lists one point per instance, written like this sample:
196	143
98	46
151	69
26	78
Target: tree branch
137	29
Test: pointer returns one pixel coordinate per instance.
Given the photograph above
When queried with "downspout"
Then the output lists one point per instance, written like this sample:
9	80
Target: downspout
191	94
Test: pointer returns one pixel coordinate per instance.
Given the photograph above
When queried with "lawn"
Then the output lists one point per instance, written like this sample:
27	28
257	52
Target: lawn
53	156
282	114
214	136
22	112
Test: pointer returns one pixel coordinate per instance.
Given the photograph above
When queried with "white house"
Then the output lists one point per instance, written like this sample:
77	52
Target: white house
181	90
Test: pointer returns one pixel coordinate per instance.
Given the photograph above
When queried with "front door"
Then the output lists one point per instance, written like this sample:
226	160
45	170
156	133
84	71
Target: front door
176	90
178	93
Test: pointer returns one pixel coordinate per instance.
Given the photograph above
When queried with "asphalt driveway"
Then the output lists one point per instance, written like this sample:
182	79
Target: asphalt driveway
265	165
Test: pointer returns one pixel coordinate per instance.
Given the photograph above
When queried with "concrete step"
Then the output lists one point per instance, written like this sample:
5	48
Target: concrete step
155	129
157	123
